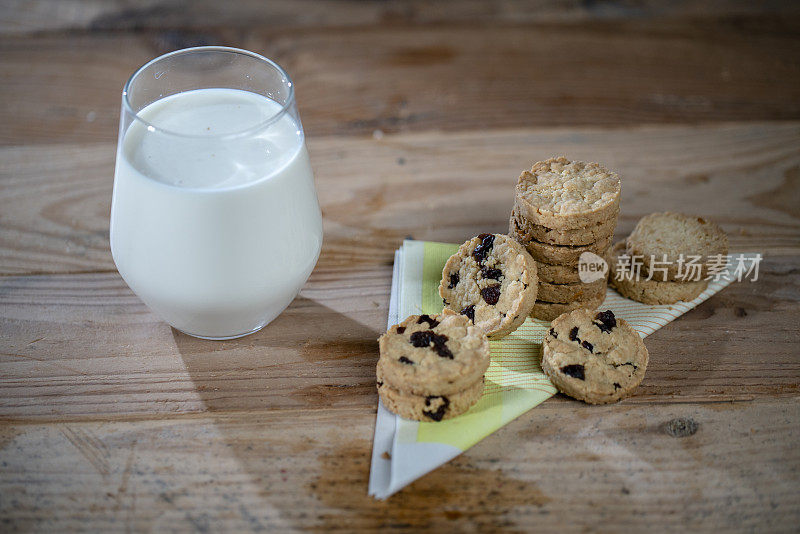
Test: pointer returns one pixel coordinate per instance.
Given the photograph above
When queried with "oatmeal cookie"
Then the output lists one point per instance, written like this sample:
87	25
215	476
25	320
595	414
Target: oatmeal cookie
429	407
433	354
571	292
492	280
594	357
562	194
548	311
564	254
558	274
666	237
528	231
626	282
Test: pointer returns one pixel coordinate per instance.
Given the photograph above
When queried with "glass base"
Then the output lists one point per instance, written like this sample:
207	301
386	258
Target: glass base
223	338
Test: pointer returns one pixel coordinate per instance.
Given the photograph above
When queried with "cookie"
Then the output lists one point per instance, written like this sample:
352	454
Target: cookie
564	254
575	236
571	292
492	280
561	273
594	356
548	311
646	291
667	236
428	407
558	274
562	194
433	355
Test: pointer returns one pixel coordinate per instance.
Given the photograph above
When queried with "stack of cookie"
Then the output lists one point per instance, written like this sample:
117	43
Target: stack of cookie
431	367
563	209
667	258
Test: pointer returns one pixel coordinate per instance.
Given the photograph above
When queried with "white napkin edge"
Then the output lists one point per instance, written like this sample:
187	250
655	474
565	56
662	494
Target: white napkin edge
380	472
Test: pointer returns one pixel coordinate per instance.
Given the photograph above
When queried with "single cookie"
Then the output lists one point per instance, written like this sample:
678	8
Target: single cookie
558	274
660	240
547	311
428	407
492	280
433	355
636	287
562	194
594	357
564	254
576	236
571	292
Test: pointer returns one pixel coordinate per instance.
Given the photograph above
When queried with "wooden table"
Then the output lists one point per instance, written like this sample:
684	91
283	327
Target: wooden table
419	119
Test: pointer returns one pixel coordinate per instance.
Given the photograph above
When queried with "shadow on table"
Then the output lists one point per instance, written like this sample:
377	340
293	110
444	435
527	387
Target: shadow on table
280	400
295	405
310	356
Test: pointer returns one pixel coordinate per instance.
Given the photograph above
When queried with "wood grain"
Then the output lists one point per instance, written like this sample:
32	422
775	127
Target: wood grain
320	353
419	117
83	347
55	200
355	80
559	468
36	16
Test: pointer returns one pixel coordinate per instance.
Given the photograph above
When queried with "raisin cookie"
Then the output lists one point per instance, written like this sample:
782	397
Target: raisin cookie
594	357
428	407
666	237
548	311
571	292
492	280
636	287
433	355
528	231
562	194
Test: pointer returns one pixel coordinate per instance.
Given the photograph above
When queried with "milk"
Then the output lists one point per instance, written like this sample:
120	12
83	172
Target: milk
216	225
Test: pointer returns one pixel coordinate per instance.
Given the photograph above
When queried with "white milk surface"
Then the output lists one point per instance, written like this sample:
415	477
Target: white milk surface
215	225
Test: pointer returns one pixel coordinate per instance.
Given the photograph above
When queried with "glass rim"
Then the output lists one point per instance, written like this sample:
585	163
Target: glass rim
128	108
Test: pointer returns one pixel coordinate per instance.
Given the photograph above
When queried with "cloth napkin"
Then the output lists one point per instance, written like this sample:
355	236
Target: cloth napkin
405	450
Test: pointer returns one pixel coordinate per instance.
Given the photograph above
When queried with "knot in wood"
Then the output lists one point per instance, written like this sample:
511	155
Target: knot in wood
681	427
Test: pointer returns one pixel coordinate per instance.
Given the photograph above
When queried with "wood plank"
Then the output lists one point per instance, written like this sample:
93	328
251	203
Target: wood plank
420	116
55	200
78	347
35	16
355	80
75	346
320	352
563	467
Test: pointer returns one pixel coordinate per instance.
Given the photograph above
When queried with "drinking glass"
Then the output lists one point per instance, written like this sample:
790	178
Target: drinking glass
215	223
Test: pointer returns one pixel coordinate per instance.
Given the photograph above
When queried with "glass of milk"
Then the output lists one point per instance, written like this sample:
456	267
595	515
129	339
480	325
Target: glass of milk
215	223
